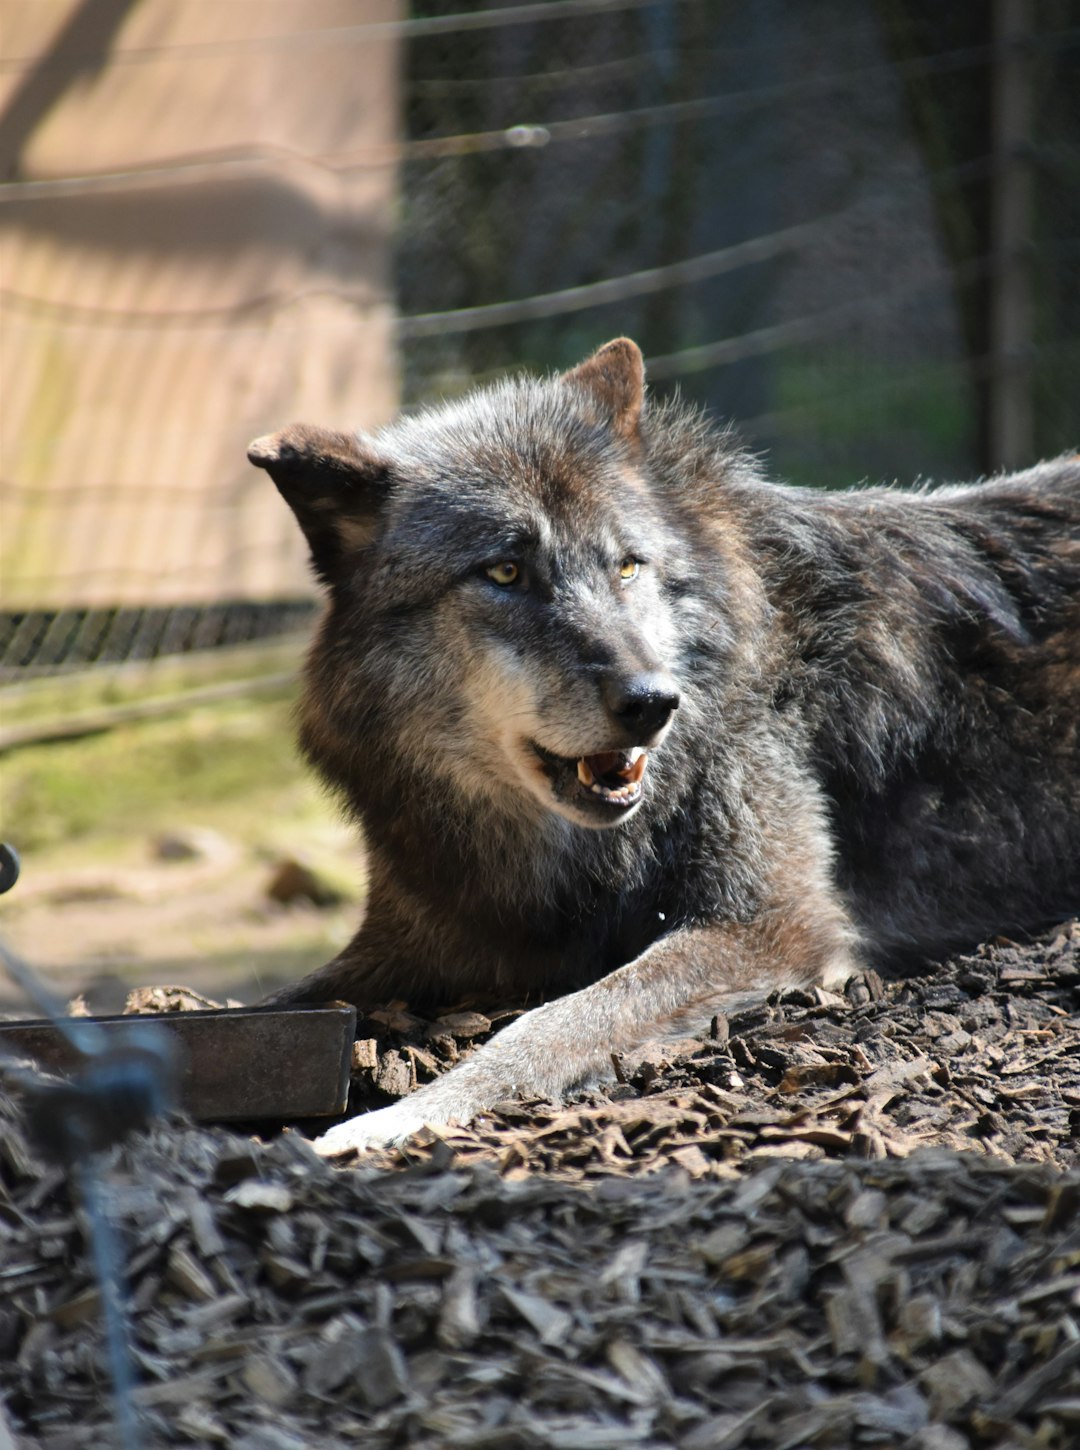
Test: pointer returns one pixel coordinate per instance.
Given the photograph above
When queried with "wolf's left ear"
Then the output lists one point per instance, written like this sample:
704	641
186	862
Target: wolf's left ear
615	376
333	482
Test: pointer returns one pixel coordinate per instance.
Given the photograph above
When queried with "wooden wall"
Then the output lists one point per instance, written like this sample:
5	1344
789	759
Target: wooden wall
196	209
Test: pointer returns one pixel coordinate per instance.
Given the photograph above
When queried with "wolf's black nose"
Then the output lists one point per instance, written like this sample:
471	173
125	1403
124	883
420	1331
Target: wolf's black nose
643	704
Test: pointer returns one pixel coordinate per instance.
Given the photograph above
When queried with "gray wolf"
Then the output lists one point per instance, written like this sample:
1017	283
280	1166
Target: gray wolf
633	730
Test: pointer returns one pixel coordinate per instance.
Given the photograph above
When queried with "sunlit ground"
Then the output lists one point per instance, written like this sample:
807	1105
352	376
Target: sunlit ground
99	906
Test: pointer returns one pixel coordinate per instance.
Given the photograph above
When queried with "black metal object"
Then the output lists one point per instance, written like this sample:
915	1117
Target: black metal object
233	1065
112	1089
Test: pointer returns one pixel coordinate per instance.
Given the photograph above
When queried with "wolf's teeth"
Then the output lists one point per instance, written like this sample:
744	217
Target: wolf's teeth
584	774
621	793
636	769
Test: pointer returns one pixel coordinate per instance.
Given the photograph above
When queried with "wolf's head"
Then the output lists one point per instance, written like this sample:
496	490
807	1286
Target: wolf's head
505	584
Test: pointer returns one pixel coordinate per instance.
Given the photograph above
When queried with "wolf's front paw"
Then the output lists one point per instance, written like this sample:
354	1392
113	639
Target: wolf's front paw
371	1130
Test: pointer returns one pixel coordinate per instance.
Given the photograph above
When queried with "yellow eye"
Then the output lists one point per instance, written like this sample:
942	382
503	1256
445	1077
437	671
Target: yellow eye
504	573
628	569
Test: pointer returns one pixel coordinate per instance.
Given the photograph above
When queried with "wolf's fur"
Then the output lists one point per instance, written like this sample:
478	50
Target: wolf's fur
875	754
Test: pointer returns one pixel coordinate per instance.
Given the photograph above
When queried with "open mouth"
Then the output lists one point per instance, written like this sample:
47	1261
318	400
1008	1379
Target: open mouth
614	775
611	778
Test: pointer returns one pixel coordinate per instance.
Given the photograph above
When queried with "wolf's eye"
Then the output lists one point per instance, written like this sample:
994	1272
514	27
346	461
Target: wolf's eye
628	569
505	573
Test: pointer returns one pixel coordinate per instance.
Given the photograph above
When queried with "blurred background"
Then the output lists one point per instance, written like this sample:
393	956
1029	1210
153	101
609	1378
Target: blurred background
854	226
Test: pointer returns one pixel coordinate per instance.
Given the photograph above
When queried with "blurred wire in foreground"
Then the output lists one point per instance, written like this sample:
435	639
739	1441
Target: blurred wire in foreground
115	1091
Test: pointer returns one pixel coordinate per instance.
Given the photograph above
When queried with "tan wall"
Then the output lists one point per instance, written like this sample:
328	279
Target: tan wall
195	248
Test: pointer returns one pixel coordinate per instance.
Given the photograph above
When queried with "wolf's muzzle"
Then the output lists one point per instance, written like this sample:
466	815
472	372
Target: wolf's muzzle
640	705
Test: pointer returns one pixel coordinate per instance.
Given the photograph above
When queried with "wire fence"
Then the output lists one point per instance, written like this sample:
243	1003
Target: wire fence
855	228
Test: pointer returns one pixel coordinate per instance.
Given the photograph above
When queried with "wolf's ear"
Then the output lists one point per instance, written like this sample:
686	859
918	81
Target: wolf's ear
615	376
333	482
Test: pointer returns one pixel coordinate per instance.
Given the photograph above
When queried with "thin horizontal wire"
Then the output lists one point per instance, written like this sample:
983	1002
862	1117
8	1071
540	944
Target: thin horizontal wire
467	319
664	366
416	28
659	58
193	568
659	279
465	85
770	339
106	717
498	314
676	112
75	313
526	135
184	169
178	494
545	79
612	289
768	421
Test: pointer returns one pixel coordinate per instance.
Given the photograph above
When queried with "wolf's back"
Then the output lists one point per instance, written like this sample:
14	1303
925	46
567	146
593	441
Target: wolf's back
957	784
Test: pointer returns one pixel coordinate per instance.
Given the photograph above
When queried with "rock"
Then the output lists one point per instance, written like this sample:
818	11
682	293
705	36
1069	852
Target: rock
194	843
295	880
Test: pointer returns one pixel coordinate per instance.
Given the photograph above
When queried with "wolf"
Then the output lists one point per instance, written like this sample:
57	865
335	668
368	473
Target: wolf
639	735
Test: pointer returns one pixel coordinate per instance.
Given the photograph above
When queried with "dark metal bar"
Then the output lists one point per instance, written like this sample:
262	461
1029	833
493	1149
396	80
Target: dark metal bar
236	1064
1011	431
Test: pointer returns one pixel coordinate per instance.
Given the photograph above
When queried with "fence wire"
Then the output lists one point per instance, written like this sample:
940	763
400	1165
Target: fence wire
794	209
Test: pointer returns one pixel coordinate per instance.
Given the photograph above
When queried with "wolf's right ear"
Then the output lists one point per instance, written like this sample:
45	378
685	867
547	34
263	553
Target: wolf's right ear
615	378
333	482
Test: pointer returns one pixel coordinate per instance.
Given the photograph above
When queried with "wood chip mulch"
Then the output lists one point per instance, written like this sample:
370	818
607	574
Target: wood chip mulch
836	1221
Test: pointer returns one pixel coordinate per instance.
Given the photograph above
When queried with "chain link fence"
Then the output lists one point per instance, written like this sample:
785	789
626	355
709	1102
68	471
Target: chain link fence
853	227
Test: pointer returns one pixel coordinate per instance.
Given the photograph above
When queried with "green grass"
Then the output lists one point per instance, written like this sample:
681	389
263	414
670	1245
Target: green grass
49	699
232	766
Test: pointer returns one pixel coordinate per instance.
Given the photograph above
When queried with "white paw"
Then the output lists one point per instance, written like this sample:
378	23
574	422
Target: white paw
371	1130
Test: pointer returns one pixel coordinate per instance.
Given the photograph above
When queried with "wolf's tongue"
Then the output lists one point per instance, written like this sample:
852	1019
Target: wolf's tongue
601	764
629	768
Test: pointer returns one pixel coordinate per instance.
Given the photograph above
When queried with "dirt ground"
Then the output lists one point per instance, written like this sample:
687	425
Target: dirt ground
148	853
210	924
836	1220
